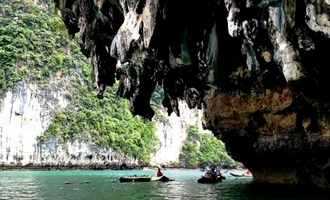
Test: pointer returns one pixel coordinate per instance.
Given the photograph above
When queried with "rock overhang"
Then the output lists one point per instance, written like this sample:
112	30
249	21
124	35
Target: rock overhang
257	67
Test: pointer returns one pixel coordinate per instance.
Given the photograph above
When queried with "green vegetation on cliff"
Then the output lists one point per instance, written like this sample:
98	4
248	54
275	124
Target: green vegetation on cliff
203	149
108	122
33	44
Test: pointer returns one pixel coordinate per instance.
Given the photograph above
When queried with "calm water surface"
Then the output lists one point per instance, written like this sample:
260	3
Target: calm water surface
104	185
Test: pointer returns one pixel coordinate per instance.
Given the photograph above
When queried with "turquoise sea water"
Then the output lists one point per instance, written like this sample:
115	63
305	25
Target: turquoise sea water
104	185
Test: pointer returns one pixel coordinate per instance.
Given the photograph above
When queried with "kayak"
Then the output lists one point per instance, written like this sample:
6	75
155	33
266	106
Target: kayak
240	174
143	179
206	180
135	179
164	179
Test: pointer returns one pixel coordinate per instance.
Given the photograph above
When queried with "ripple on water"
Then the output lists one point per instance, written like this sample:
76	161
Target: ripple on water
104	185
18	188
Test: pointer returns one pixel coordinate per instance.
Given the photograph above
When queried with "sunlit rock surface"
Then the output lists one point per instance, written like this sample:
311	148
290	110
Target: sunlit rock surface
172	134
25	113
258	67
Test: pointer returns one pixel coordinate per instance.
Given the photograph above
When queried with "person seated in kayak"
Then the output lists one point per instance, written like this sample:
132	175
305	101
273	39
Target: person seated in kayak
210	173
218	172
159	172
213	173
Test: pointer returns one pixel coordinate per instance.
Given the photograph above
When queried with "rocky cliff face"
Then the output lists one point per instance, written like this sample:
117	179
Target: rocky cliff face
259	67
27	111
172	134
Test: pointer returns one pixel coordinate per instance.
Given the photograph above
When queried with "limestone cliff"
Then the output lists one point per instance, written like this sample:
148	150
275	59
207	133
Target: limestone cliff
25	113
172	134
27	110
258	66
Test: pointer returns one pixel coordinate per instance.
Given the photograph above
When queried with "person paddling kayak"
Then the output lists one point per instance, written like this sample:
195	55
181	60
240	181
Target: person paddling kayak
159	172
161	177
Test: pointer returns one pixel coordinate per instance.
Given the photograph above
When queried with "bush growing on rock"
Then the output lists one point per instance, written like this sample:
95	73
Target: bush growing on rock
203	149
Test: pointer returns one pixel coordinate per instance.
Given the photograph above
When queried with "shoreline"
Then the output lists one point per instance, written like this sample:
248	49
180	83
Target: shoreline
96	167
48	167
